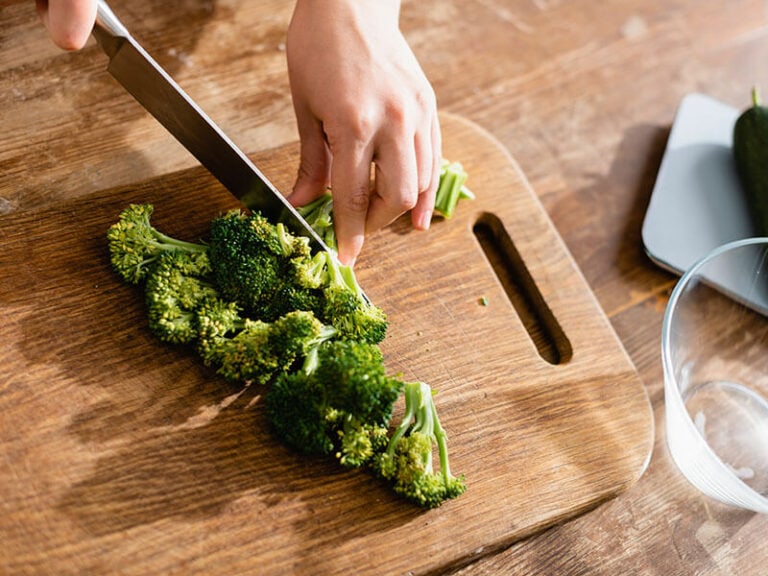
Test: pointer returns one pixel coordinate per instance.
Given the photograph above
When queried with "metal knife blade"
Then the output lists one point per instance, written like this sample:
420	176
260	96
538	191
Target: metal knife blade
159	94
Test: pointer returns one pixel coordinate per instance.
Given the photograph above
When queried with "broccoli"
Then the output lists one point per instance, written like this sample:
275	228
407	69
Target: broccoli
346	308
269	272
134	244
407	461
176	287
451	188
339	402
261	350
259	307
249	257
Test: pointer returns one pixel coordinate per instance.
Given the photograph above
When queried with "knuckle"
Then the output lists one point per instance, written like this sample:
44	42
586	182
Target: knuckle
358	200
405	201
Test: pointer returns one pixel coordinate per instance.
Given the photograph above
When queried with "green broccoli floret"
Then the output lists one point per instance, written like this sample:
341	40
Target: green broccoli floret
319	215
356	380
407	461
338	403
347	309
297	414
357	442
134	244
258	351
254	264
269	272
176	286
216	319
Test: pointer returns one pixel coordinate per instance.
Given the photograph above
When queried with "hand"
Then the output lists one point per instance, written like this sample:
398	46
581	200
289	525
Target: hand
69	22
361	97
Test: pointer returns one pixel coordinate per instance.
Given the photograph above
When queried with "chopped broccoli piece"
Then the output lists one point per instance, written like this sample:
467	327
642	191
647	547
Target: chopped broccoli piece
247	256
259	351
356	380
407	461
176	286
296	414
451	188
347	309
339	402
358	442
134	244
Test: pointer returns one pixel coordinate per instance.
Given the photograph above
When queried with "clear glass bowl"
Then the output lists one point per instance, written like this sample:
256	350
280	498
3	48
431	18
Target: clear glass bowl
714	347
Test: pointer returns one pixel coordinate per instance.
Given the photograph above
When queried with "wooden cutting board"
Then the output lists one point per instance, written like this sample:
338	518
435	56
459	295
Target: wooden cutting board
122	455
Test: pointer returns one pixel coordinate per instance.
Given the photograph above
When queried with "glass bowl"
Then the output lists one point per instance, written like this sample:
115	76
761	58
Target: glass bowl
714	347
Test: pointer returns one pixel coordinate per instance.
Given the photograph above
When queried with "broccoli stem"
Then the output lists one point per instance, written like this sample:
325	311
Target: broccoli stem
311	359
412	395
169	242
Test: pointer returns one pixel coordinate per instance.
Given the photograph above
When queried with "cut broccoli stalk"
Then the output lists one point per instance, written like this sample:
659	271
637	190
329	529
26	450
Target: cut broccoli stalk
407	463
451	188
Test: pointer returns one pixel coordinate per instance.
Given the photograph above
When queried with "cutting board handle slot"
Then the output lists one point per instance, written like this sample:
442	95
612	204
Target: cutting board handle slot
543	328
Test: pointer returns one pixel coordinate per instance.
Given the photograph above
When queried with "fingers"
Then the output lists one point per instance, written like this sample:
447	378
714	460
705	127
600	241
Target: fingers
314	175
351	183
397	181
429	158
406	178
69	22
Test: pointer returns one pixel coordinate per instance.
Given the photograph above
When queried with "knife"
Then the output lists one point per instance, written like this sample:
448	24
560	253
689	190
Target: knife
159	94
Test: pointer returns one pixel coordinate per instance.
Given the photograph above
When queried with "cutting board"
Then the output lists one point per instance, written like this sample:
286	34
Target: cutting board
123	455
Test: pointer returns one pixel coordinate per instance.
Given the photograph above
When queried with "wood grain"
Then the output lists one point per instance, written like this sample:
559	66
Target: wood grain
128	445
581	93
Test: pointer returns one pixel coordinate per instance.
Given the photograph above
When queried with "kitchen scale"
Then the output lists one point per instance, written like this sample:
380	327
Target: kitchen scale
697	202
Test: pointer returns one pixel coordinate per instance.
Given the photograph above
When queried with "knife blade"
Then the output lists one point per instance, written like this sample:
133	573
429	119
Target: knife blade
162	97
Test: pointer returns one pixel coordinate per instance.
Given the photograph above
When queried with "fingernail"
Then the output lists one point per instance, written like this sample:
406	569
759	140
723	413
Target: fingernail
425	219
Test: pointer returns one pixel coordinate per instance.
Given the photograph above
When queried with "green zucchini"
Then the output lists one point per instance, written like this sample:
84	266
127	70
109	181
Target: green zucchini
750	152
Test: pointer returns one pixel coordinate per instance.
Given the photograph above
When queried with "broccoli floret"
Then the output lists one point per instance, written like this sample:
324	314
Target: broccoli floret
297	415
269	272
245	255
319	215
407	461
134	244
254	265
216	319
358	442
258	351
176	286
347	309
338	403
356	380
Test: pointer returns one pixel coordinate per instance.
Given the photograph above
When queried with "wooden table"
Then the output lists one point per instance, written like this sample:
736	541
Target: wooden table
581	93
